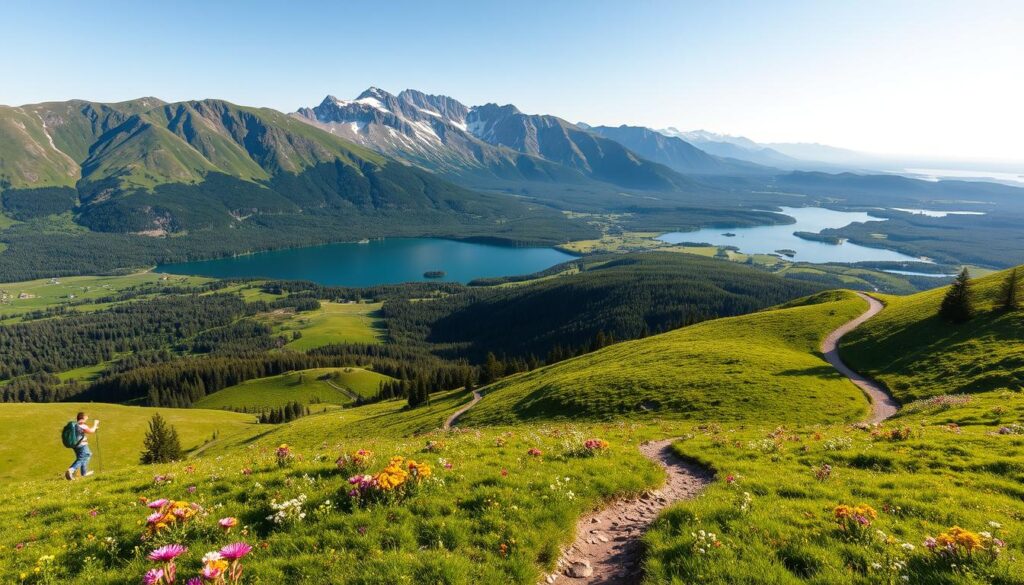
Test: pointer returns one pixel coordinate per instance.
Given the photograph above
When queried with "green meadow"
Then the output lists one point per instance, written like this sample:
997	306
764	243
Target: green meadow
313	386
331	323
762	366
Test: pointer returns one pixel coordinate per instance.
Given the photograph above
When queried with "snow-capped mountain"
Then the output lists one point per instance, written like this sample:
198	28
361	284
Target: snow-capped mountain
441	134
737	147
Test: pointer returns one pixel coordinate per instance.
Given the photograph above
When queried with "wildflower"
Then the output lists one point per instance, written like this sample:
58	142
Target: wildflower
153	576
94	512
730	479
211	557
534	452
214	570
157	504
167	553
504	472
227	523
908	547
194	581
235	551
994	524
191	489
930	543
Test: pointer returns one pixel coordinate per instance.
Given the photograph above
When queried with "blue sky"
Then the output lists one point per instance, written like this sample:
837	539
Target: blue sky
934	78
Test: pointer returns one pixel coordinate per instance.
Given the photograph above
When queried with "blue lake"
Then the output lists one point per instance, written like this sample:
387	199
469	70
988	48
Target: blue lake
769	238
385	261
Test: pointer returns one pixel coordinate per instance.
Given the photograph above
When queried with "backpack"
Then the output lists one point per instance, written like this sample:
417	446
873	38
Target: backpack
71	436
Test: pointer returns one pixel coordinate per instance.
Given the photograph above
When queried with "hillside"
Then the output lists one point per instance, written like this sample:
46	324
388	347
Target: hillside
675	153
308	387
615	296
918	355
761	367
30	445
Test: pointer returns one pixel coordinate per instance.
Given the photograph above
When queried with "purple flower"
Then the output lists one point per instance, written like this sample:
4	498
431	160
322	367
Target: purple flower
235	551
154	518
153	576
157	504
191	489
167	553
194	581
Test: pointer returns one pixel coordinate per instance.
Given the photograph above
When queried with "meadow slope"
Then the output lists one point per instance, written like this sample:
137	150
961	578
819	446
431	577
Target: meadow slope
764	366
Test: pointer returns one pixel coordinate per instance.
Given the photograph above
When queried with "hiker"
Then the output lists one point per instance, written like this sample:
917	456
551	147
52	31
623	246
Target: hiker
75	436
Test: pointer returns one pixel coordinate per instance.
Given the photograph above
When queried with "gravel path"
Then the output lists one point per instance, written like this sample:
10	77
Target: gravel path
447	426
607	549
882	403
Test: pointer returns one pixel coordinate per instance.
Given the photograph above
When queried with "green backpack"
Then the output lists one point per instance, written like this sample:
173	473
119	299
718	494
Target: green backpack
71	436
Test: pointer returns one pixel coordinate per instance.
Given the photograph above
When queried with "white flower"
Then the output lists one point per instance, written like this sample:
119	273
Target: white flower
994	524
986	534
876	566
210	557
907	546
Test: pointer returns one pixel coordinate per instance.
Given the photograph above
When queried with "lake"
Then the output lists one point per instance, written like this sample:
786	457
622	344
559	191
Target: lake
387	261
769	238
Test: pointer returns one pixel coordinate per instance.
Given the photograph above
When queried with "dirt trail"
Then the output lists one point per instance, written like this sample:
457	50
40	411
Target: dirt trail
455	415
882	403
351	394
607	549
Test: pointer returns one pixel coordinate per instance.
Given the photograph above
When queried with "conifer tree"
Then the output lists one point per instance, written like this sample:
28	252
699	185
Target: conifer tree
956	306
161	442
1008	298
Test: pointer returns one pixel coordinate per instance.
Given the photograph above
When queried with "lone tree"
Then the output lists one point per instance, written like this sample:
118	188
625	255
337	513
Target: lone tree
1008	299
956	307
161	443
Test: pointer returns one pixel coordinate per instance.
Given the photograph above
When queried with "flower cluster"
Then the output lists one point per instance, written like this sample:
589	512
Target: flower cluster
854	520
938	403
959	545
823	473
837	444
221	567
288	510
434	446
534	452
354	462
167	570
284	455
169	515
705	542
227	524
394	481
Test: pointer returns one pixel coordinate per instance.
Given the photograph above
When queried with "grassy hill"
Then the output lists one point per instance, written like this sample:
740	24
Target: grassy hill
30	444
331	323
755	367
312	386
919	355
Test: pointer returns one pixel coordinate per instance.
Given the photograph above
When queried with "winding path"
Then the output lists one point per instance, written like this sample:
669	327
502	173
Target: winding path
882	403
608	550
450	421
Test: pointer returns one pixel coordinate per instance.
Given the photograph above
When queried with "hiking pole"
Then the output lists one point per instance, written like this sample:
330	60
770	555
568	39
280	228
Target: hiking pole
99	456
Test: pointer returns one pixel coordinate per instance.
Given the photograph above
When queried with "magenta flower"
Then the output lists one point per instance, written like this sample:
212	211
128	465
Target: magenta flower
930	543
211	573
194	581
154	518
153	576
167	553
157	504
191	489
235	551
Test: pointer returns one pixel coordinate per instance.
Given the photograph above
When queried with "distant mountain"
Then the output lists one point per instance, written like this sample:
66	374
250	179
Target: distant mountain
675	152
736	147
155	168
443	135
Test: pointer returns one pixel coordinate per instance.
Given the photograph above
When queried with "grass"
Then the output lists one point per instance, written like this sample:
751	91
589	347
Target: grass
786	533
30	444
306	386
762	366
332	323
918	355
46	293
496	515
625	242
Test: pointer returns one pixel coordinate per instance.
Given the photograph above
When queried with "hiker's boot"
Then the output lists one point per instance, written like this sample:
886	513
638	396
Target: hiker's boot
69	475
87	474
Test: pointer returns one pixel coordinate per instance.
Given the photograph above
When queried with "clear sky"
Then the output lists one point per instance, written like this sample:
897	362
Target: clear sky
894	76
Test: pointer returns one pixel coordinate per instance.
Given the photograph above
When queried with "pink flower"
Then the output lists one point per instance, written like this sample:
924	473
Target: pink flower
194	581
191	489
94	512
154	518
167	553
153	576
504	472
228	523
157	504
211	573
235	551
930	543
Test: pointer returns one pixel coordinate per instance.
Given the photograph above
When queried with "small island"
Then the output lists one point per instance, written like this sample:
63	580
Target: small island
824	239
729	235
434	274
786	252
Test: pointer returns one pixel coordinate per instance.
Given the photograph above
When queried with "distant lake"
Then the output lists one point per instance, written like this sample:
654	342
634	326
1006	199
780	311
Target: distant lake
936	213
386	261
767	239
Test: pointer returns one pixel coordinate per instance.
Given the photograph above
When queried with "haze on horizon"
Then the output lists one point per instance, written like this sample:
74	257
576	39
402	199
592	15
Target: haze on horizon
938	79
